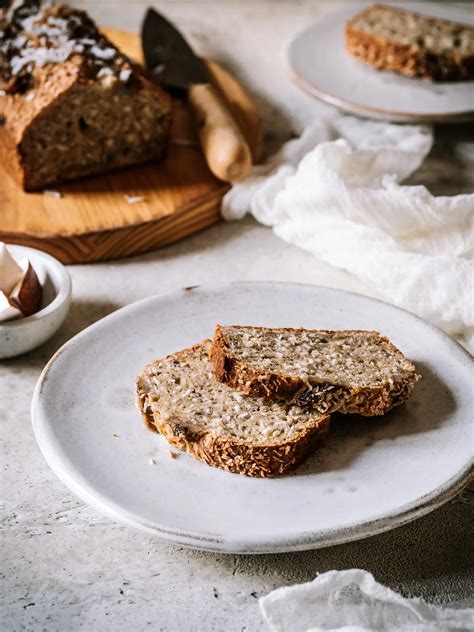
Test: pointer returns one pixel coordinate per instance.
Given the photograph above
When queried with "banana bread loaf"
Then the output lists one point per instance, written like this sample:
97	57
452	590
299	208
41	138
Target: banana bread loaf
70	103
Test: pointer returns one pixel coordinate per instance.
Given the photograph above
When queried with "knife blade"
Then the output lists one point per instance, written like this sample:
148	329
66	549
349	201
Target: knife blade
169	56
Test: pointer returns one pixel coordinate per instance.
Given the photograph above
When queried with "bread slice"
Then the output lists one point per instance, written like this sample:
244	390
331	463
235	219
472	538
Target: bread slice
71	104
411	44
179	398
346	371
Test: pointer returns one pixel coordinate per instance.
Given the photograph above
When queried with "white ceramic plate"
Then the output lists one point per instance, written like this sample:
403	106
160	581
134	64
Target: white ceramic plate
372	475
321	65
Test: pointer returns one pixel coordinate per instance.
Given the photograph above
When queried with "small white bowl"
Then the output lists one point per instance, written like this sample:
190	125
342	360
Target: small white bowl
22	335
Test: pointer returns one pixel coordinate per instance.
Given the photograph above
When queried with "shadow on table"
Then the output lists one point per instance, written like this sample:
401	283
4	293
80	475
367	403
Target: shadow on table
449	167
431	552
431	404
205	239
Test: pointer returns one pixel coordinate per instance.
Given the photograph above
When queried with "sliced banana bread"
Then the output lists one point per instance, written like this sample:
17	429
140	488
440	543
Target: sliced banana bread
411	44
70	103
179	398
348	371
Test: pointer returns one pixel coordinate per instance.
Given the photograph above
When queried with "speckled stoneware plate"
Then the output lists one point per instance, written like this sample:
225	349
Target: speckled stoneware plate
373	474
321	65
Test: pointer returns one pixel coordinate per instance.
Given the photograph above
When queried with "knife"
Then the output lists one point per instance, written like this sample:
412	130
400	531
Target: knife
172	60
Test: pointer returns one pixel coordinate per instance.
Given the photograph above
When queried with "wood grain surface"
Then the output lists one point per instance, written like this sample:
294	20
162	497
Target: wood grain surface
92	220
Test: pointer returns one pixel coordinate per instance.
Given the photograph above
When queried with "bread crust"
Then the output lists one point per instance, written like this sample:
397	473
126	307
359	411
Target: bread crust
260	461
257	382
53	82
406	59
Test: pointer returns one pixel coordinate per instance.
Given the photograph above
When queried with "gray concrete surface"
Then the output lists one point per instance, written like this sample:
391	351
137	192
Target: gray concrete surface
65	568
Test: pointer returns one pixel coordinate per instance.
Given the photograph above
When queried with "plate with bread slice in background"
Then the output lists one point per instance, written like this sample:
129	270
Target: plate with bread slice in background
259	417
403	61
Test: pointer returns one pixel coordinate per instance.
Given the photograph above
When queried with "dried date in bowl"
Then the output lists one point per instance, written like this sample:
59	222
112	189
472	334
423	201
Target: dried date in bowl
22	335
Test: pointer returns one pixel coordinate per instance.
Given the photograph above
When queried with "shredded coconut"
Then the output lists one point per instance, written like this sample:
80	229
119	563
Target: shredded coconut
54	194
33	35
134	199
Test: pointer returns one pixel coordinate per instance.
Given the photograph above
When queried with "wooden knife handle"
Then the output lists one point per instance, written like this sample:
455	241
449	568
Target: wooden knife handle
224	146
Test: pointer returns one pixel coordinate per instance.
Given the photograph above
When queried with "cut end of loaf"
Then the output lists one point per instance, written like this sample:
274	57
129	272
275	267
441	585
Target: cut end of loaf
93	129
180	398
349	371
71	104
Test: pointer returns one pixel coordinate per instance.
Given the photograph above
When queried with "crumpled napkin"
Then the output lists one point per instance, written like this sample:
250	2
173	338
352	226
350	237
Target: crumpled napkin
336	192
352	601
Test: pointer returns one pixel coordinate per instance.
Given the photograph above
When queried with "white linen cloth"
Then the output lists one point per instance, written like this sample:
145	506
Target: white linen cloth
352	601
336	192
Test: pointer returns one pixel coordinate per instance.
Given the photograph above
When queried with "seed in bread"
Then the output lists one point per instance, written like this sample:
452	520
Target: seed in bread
347	371
71	104
179	397
411	44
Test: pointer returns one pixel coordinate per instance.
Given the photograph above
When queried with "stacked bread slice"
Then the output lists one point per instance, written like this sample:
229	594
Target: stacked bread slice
257	401
347	371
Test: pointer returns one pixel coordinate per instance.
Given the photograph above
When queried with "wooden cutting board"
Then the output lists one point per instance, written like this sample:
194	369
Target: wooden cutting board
94	221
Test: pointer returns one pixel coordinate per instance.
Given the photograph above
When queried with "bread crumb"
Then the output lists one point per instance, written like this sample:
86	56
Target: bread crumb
134	199
152	461
54	194
172	455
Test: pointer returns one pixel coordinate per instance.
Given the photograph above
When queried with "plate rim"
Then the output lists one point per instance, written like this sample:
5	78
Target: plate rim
298	541
358	108
361	110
